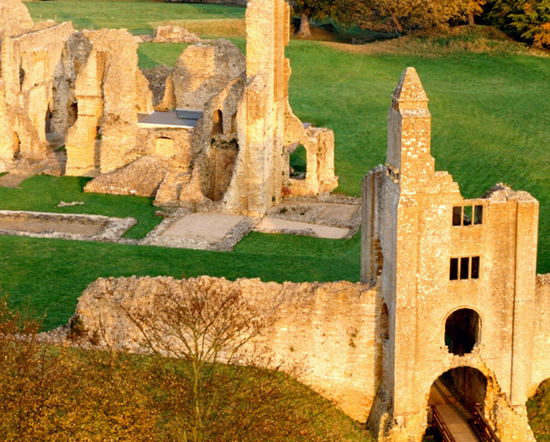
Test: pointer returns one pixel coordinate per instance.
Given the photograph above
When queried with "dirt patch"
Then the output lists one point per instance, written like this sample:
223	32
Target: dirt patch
36	225
277	225
14	179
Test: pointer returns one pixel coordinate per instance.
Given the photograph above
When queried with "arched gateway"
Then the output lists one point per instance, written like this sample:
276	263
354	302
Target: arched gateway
456	280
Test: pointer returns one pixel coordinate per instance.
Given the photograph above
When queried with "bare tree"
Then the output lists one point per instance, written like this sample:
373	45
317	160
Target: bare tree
223	389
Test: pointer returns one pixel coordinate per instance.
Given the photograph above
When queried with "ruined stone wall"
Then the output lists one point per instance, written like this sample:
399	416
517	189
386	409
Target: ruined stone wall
258	180
327	326
31	64
14	18
203	71
541	347
110	91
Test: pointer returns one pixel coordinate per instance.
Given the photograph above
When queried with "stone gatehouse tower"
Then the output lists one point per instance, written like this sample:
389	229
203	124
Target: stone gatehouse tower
455	283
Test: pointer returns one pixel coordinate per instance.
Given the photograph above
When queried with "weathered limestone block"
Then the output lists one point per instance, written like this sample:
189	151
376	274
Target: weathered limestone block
141	178
14	18
174	34
330	325
203	71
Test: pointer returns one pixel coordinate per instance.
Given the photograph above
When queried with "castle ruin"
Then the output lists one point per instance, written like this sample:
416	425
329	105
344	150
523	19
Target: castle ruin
449	298
216	135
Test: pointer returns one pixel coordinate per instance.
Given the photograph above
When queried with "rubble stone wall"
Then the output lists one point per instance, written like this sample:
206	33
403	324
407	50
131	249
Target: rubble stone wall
327	326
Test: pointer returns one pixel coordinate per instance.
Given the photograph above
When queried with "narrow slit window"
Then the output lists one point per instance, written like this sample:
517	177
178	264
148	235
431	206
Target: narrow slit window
454	269
457	216
464	268
475	267
467	215
478	218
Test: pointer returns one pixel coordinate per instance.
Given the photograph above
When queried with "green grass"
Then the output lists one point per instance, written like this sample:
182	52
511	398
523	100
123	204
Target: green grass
43	193
47	276
137	17
538	409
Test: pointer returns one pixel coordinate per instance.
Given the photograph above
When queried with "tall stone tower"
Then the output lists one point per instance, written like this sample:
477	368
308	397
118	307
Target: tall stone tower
455	280
261	166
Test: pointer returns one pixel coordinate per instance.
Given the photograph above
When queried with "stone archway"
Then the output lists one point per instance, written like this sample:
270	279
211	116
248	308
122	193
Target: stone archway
454	397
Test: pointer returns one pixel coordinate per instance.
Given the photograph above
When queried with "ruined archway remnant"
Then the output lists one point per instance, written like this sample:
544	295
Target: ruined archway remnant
454	396
462	331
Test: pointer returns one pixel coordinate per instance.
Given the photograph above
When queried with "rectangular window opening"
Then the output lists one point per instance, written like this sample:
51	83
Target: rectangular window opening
478	219
475	267
464	268
467	218
457	216
454	269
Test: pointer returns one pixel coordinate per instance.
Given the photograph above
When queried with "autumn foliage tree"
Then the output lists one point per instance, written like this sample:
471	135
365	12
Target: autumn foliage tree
530	19
312	9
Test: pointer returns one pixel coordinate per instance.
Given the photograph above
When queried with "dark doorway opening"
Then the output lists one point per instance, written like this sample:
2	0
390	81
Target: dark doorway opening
462	331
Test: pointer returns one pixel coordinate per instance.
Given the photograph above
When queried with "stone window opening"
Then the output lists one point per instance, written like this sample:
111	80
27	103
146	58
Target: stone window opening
217	120
72	111
298	162
21	77
48	126
465	267
462	331
98	133
384	322
467	215
234	123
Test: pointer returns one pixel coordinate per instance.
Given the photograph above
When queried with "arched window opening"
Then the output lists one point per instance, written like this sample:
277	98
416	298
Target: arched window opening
217	127
49	121
298	163
454	397
384	322
462	331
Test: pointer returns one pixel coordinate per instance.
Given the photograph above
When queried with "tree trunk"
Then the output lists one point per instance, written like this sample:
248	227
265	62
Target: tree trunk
471	18
304	31
397	23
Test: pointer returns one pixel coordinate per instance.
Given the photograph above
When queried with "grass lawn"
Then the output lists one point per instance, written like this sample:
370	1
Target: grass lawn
137	17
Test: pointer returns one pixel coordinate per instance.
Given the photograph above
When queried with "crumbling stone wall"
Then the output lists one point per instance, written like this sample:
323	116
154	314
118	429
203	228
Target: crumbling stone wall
33	73
203	71
110	91
327	326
